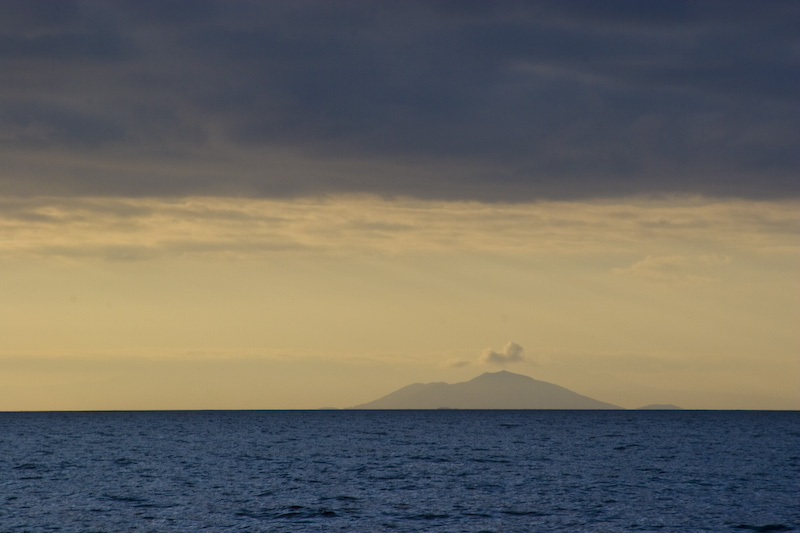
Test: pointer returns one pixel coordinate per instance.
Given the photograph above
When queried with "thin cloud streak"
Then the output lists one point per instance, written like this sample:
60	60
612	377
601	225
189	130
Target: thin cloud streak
144	229
676	269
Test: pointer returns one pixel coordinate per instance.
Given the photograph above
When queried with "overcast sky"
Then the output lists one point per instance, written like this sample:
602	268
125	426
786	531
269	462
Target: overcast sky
297	204
446	100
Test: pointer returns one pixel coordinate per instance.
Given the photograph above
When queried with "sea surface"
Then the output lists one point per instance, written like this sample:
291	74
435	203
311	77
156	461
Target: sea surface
400	471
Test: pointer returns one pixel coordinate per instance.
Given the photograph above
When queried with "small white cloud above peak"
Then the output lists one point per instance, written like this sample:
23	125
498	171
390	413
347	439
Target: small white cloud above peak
512	353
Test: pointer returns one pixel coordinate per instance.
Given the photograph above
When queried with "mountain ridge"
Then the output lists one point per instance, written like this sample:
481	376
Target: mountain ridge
490	390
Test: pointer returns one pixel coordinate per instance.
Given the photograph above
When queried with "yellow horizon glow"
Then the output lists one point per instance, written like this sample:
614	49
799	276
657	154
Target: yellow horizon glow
204	302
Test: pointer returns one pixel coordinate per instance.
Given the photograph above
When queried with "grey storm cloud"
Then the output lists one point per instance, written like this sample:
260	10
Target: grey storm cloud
452	100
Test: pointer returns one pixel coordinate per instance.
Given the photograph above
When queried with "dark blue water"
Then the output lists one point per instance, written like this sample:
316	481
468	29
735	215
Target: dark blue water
400	471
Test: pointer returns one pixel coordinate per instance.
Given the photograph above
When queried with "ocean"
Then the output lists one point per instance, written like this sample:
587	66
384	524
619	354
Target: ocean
443	470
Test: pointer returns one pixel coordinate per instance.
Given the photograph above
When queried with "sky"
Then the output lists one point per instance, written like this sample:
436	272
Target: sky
306	204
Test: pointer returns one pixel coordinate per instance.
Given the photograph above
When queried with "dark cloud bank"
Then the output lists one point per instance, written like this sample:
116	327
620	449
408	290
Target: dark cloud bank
451	100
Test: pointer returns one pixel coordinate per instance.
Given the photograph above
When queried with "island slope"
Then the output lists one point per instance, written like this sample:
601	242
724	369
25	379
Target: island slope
492	390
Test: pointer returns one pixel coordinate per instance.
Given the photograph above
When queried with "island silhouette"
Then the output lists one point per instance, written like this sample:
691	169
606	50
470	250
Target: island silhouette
491	390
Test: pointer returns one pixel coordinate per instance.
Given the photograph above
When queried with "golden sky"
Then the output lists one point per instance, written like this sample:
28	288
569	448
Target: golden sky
210	302
269	205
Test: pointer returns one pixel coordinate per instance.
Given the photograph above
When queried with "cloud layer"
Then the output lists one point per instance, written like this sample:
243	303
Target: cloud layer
440	100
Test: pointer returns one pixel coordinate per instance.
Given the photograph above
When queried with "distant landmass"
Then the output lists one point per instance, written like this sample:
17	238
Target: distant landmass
492	390
660	407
